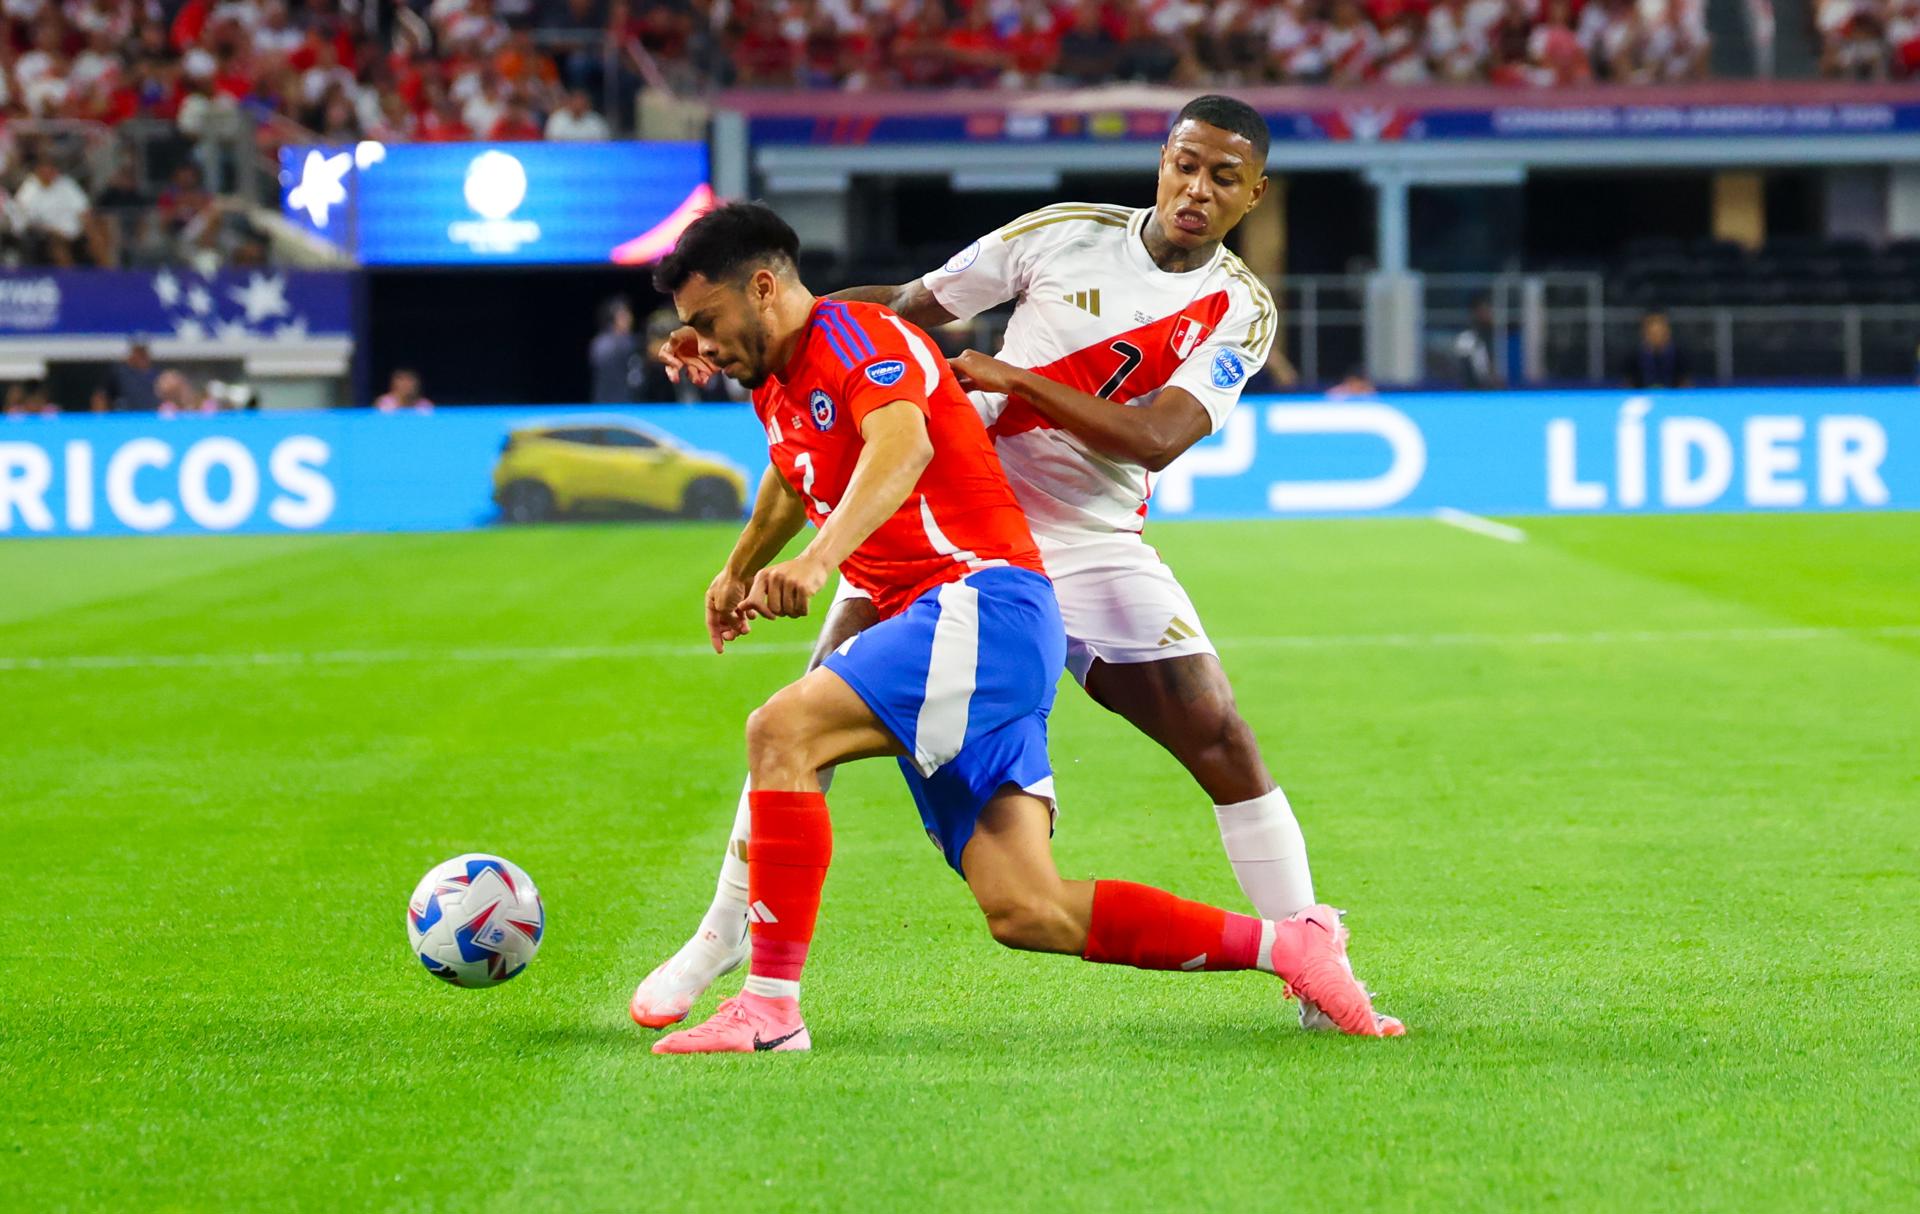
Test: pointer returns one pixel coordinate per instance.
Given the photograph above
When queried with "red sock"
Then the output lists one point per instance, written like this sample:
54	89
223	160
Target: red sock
1151	929
787	854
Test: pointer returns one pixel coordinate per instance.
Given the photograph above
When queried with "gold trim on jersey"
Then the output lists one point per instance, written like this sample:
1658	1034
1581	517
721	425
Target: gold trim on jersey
1100	217
1261	330
1109	207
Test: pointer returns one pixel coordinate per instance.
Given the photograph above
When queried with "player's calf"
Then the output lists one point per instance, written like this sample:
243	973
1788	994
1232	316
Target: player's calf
1036	925
1008	864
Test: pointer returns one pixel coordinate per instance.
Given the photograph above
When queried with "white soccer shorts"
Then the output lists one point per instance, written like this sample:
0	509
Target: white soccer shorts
1119	601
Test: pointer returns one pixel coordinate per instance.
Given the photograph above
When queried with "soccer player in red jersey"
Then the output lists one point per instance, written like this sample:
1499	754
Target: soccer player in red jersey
1132	336
873	441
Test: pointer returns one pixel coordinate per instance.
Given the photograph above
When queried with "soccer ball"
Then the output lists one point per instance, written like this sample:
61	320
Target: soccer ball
475	920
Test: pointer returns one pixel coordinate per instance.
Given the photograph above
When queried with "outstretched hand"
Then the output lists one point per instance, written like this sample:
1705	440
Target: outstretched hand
726	621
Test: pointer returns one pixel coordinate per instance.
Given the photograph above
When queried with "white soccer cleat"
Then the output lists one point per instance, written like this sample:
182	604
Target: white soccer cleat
669	992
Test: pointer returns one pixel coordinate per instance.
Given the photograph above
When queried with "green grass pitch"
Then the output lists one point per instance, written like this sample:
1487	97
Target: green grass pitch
1626	816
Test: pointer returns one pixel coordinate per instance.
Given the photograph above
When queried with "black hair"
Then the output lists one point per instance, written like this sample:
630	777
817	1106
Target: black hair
728	243
1230	115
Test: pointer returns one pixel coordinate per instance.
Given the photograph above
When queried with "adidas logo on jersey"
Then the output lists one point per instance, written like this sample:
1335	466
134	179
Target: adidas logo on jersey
1086	301
1177	631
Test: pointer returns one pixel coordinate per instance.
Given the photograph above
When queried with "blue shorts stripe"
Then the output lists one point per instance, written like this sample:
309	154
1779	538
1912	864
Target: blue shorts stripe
964	678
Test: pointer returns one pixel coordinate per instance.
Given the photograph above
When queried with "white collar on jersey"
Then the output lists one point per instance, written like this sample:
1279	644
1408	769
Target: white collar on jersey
1142	261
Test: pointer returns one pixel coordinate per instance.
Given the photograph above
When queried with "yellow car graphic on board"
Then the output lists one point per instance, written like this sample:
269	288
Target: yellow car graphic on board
611	466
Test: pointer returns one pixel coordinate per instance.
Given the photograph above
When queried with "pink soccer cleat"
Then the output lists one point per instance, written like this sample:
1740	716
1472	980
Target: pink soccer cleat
744	1024
1310	954
1313	1020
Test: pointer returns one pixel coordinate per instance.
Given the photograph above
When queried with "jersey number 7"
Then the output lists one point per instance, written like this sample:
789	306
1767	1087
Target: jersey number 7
1130	356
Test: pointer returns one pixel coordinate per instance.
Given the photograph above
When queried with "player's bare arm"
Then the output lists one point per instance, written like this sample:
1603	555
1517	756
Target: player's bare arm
896	451
777	517
911	300
1152	435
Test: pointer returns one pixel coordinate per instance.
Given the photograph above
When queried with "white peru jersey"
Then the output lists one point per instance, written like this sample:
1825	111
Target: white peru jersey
1095	312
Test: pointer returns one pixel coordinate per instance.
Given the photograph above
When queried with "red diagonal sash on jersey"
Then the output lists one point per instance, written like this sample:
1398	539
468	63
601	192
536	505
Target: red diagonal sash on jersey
1124	365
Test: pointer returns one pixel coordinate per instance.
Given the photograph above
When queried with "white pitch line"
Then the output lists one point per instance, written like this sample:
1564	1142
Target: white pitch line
1479	526
594	653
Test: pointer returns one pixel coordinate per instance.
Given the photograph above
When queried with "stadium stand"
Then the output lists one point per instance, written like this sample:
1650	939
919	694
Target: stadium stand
1868	39
149	112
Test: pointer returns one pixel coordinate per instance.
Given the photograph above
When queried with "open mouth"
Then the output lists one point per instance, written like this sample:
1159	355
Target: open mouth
1190	219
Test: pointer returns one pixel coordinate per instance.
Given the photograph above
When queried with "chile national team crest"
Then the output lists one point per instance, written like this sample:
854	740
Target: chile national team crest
821	406
1187	335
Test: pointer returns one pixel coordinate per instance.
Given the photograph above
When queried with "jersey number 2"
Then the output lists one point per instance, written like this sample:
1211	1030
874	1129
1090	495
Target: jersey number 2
1130	357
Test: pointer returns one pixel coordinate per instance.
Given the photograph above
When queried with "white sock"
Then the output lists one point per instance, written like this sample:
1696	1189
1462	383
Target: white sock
1268	854
1264	962
724	925
771	988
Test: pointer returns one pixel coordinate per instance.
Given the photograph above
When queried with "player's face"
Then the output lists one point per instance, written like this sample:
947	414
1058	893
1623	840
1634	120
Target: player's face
730	323
1209	180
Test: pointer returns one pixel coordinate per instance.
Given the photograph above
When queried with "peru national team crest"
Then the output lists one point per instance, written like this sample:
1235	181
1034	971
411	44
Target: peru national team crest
1228	370
821	406
1187	336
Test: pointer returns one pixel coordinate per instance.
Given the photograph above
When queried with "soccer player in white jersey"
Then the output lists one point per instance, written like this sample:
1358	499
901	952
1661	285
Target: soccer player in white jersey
1132	337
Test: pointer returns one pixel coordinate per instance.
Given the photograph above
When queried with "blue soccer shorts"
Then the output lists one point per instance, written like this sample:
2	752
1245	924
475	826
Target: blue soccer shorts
965	678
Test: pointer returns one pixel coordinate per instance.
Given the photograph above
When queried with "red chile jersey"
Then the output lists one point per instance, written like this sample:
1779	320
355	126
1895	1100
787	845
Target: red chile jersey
961	516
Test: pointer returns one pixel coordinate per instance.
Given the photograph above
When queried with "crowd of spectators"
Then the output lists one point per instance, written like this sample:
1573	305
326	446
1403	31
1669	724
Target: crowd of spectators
1034	43
203	85
457	69
225	79
1868	39
527	69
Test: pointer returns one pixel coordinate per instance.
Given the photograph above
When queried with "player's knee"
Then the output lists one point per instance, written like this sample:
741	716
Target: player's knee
1034	925
776	736
1215	730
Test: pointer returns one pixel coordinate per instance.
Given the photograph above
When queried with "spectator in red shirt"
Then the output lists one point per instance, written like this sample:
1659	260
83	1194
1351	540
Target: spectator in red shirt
762	55
516	124
919	50
823	62
1032	48
1554	51
976	54
235	76
442	123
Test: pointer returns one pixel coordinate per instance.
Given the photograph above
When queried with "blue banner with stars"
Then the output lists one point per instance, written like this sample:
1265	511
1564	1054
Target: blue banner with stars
177	304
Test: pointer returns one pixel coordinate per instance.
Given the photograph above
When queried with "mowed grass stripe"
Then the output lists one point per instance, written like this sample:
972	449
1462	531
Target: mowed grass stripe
490	655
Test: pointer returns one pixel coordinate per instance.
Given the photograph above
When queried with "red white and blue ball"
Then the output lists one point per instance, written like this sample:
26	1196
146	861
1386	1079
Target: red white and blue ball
475	920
